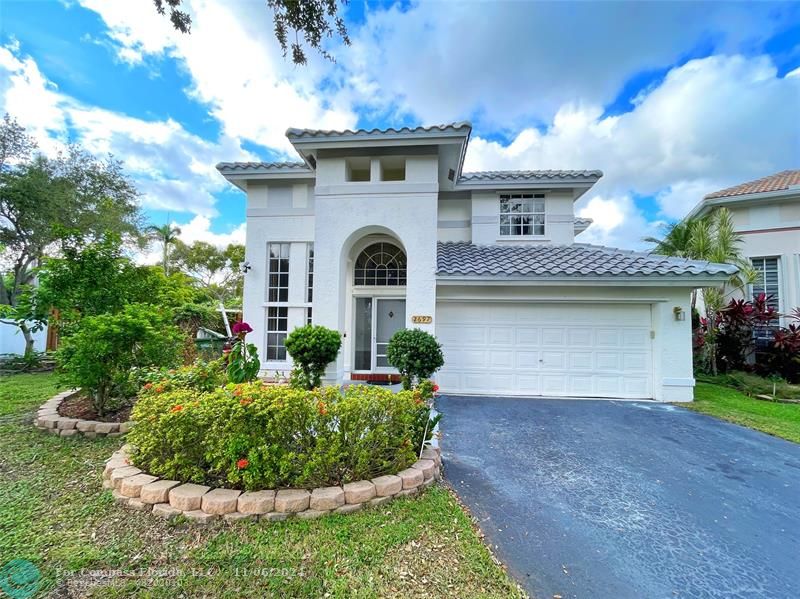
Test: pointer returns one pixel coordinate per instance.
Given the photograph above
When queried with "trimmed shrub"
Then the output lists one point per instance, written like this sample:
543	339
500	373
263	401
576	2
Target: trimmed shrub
416	354
312	348
103	349
254	436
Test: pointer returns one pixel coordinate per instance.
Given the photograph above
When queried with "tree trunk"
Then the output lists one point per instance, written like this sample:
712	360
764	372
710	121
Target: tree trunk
26	333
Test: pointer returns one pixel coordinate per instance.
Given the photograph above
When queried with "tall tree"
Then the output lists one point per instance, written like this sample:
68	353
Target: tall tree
309	20
167	235
215	270
43	198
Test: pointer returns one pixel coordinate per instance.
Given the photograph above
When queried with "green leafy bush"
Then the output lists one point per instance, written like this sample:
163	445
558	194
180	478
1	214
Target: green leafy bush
202	376
103	349
753	384
312	348
416	354
255	436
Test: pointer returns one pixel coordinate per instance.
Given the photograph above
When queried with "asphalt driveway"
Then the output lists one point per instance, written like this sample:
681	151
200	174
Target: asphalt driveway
605	499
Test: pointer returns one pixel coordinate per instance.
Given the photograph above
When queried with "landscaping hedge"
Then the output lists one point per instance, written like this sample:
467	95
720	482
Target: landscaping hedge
254	436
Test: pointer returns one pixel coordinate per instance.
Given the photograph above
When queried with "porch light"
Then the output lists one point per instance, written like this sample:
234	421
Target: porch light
679	313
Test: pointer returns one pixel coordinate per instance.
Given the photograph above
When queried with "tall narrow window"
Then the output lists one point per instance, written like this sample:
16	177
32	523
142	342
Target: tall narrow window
522	214
277	325
310	281
277	292
767	281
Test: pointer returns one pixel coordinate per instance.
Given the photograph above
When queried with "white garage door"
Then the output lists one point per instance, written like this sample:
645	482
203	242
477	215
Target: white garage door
577	350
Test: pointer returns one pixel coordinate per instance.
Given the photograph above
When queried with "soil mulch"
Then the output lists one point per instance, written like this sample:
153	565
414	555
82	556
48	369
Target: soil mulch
81	407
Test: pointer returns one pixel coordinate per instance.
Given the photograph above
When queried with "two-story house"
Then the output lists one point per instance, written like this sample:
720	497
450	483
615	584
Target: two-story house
766	214
379	230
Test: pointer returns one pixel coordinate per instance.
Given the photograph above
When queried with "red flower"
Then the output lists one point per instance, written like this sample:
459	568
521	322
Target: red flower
242	464
321	408
148	386
245	401
160	389
435	388
177	408
238	391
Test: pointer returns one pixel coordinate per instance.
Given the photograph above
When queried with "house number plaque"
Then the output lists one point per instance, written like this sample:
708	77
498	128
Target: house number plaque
422	319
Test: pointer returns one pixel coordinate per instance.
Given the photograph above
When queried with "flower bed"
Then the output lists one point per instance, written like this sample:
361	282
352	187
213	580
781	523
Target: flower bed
48	418
254	436
201	504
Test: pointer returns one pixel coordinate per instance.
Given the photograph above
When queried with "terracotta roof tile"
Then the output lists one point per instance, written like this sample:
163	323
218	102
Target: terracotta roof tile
777	182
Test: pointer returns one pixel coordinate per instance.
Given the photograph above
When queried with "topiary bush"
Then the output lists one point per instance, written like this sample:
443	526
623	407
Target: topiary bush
103	349
312	348
416	354
256	436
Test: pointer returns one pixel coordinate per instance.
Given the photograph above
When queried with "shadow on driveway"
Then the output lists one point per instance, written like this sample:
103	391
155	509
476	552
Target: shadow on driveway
585	498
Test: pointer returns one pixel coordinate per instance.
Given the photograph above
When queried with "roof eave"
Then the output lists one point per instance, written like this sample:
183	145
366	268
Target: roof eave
691	281
504	184
705	205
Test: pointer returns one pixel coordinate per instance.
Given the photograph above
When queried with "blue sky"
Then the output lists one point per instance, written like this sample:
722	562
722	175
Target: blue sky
670	100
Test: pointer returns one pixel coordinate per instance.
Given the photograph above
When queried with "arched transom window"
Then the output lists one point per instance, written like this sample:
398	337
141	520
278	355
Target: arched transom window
380	264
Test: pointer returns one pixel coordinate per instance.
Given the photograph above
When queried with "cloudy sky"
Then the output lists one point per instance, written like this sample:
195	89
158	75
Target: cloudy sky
671	100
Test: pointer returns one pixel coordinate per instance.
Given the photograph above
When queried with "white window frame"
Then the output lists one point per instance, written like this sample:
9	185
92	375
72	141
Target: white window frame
533	214
309	280
277	309
762	275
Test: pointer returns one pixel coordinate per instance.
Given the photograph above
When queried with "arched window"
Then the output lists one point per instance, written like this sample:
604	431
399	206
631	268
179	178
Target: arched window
380	264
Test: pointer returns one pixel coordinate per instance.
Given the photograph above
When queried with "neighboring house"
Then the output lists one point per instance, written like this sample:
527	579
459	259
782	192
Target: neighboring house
766	213
380	230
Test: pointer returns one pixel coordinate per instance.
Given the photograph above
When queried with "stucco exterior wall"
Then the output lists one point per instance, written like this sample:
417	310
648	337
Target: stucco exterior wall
773	230
279	212
559	219
346	214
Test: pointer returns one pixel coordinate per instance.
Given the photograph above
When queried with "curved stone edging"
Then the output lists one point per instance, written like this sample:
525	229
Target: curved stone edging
48	418
169	499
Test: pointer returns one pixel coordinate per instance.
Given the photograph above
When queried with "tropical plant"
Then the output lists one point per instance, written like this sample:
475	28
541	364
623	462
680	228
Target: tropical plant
101	352
167	236
243	362
416	354
312	348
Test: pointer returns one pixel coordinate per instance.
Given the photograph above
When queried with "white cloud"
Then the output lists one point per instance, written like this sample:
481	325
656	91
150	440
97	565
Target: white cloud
174	169
711	123
504	63
235	65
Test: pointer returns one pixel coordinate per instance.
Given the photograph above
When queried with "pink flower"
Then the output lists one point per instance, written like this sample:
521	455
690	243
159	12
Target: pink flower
242	328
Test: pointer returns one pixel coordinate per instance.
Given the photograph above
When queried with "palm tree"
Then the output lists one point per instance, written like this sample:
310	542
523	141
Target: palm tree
711	238
167	235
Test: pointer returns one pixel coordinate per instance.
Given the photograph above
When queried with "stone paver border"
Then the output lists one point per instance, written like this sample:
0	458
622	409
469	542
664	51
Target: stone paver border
200	504
48	418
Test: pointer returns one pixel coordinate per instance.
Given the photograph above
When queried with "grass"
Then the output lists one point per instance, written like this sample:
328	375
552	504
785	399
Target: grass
54	512
778	419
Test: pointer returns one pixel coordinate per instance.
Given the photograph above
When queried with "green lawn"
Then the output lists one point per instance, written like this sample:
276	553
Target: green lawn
781	420
54	513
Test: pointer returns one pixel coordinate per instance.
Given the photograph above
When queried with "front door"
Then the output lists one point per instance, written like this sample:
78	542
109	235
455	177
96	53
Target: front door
376	320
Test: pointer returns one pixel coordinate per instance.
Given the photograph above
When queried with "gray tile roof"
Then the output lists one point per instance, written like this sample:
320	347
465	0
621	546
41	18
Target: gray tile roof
293	133
576	260
249	167
528	176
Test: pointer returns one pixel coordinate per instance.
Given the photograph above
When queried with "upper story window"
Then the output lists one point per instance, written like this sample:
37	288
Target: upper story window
522	214
278	278
767	280
309	281
380	264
